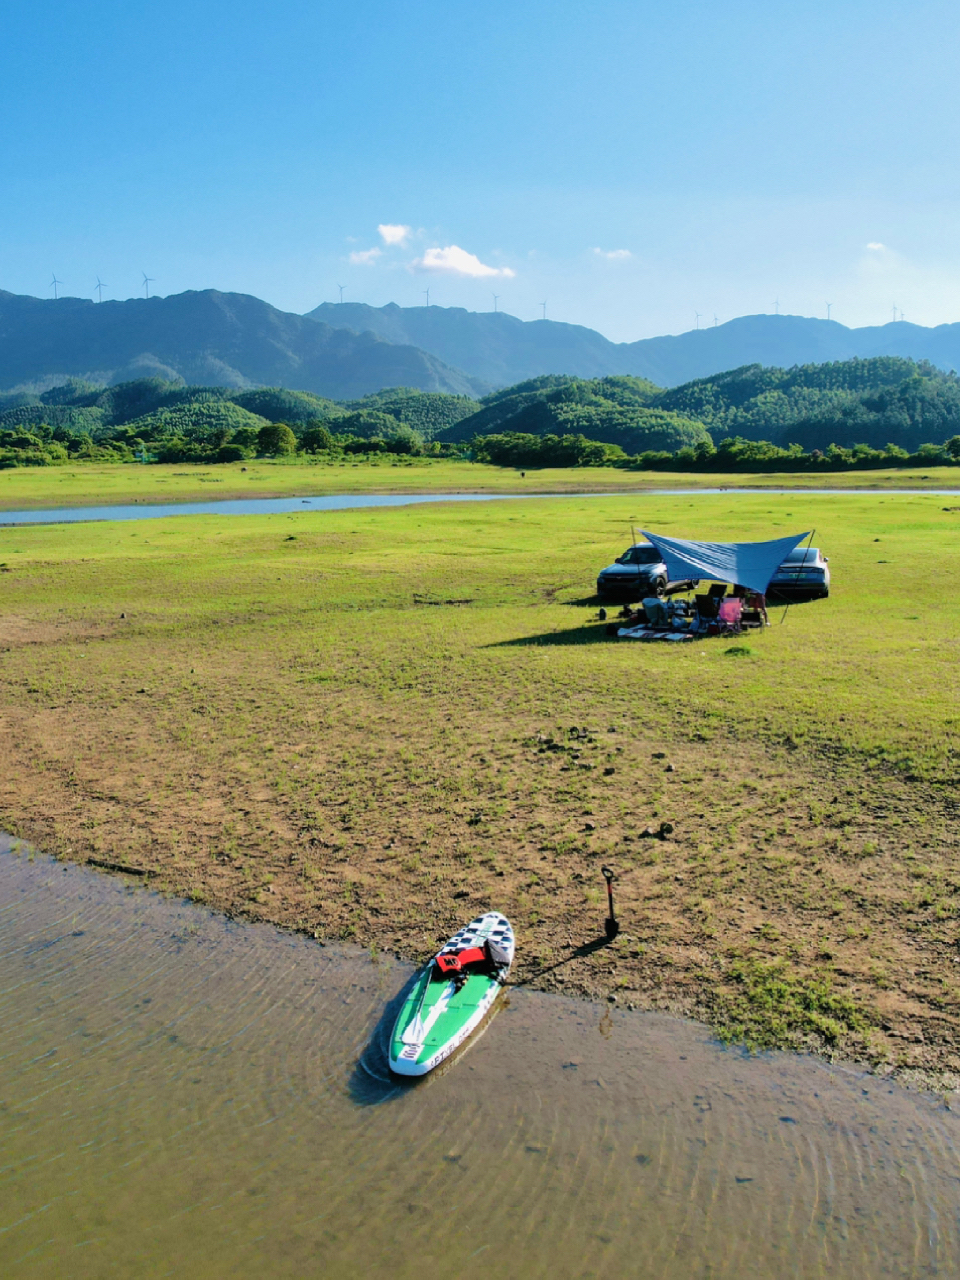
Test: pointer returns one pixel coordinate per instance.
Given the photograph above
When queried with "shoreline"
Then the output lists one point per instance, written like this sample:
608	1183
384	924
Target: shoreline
27	516
942	1084
32	489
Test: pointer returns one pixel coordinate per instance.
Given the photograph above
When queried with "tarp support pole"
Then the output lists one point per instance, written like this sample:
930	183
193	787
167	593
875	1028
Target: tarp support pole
802	563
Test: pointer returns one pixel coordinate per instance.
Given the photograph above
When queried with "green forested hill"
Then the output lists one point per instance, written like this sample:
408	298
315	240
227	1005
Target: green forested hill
612	410
276	404
202	420
174	422
427	412
878	402
618	410
887	400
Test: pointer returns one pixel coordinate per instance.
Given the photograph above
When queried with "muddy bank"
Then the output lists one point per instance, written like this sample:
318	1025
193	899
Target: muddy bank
188	1094
388	886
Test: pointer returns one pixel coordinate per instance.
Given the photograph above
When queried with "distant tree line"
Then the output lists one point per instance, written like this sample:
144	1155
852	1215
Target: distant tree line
844	403
855	413
516	449
155	421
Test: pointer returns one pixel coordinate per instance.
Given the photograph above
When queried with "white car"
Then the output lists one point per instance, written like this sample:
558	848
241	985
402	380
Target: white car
803	576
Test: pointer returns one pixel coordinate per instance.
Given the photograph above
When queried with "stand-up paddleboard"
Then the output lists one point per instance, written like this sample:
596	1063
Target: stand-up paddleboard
452	995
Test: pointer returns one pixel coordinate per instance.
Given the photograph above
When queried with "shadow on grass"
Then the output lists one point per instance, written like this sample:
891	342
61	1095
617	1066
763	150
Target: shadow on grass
578	953
594	633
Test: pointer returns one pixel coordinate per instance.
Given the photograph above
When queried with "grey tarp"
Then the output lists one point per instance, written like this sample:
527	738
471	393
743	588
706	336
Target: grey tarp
747	564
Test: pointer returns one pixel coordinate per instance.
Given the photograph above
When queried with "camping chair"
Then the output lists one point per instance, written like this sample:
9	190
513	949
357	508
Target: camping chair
729	614
754	610
707	607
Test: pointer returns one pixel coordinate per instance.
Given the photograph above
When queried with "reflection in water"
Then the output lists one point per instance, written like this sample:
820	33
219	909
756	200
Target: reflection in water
185	1095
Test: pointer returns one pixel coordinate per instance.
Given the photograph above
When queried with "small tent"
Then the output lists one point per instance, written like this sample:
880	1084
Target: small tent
745	564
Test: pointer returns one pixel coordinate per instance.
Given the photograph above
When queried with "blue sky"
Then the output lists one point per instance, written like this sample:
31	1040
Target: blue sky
629	163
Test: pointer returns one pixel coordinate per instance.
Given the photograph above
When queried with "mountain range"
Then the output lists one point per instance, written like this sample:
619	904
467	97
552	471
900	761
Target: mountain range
224	339
348	350
503	350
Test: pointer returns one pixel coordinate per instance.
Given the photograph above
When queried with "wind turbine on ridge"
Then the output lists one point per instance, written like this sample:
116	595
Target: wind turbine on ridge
427	292
496	299
544	305
56	283
147	282
697	314
341	288
99	289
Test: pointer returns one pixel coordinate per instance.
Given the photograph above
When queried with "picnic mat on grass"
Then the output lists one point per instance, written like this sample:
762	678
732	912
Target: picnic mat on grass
648	633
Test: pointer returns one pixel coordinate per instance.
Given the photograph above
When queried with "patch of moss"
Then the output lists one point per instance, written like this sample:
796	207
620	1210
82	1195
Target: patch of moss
768	1006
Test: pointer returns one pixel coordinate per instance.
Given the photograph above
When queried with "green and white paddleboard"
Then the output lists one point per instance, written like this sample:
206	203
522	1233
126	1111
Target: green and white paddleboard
444	1007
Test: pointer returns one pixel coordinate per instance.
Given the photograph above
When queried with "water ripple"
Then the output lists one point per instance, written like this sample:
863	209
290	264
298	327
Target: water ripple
188	1095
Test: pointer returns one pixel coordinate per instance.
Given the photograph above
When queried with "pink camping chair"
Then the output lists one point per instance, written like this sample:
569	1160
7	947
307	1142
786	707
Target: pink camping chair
729	615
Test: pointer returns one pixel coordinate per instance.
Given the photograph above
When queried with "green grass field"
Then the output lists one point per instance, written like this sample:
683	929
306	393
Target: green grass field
359	724
31	487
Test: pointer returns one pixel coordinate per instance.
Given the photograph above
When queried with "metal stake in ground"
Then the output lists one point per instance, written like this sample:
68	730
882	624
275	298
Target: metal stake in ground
611	926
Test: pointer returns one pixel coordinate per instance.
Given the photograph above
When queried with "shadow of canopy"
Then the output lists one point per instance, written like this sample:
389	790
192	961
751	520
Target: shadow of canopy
596	633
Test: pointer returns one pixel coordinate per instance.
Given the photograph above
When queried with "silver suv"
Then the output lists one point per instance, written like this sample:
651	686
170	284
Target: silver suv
639	572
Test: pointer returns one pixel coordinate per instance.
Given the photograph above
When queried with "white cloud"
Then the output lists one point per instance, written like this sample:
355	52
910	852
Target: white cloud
457	262
613	255
365	257
876	246
394	233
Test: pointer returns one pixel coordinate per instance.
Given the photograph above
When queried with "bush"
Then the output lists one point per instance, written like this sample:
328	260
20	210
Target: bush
403	439
246	438
364	446
276	440
231	453
317	438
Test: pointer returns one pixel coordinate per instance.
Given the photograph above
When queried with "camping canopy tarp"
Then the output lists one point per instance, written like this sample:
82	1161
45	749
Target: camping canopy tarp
747	564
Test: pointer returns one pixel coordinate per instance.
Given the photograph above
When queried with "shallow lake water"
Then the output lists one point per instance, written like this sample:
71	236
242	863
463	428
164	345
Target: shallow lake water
349	501
235	507
185	1095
